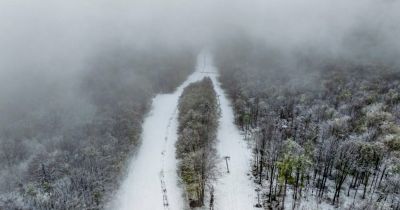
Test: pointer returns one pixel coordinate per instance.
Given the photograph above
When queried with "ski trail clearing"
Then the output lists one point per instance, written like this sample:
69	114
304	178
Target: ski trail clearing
233	190
152	180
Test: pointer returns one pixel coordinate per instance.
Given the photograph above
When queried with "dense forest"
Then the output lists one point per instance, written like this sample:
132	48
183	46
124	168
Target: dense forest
195	147
59	154
325	131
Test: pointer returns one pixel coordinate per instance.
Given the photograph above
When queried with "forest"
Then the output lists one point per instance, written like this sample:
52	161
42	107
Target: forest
74	156
212	104
195	147
324	131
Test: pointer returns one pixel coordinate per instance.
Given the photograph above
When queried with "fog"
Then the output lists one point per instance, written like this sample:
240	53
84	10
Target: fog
38	36
50	49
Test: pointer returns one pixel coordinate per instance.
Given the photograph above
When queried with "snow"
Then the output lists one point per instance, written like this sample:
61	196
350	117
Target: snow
234	190
155	162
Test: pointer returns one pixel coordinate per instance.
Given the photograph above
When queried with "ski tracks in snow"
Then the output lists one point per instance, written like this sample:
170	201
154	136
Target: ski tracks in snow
162	172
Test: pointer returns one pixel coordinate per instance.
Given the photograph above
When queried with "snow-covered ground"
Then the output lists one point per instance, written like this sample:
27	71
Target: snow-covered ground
233	190
154	168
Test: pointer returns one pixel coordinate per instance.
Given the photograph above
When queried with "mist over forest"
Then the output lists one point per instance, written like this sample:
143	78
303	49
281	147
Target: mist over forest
78	79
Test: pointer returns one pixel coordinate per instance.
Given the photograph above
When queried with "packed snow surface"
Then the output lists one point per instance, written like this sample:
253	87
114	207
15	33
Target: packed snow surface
152	180
233	190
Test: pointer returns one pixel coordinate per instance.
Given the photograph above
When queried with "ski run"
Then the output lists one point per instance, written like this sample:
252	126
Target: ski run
152	182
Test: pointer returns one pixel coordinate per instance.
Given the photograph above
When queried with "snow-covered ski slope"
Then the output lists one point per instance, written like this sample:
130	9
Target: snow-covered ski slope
152	180
233	190
155	161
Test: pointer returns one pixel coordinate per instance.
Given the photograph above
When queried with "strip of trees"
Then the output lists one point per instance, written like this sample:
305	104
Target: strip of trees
195	148
322	129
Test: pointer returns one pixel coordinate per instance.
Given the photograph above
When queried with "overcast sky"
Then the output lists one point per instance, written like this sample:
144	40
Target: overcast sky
50	40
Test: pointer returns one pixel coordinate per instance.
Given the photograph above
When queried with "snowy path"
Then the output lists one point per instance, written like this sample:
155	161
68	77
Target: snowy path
234	190
154	168
155	164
